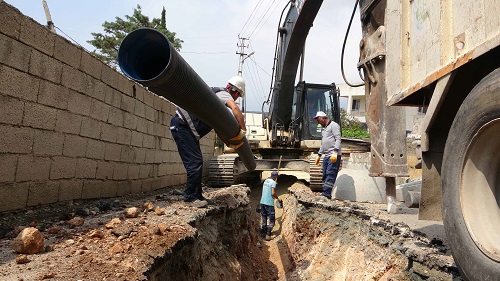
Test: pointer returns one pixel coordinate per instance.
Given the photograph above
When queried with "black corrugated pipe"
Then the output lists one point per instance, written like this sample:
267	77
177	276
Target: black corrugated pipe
147	57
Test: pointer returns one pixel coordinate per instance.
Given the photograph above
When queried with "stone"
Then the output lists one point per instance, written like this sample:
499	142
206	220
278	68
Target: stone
132	212
29	241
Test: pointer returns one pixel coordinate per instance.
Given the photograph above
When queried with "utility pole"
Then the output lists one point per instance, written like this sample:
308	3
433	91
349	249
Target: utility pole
50	24
243	56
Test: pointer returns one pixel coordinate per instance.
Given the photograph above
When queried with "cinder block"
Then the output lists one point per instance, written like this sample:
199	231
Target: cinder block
90	128
11	110
8	165
48	143
150	156
140	155
124	136
11	85
157	102
162	170
137	138
112	152
43	193
128	104
63	168
67	52
31	168
142	125
151	114
123	188
86	168
91	65
53	95
100	91
116	116
148	141
110	76
11	20
95	149
104	170
44	66
140	109
37	36
136	187
109	189
129	121
70	190
92	189
149	98
75	146
39	116
79	103
15	139
74	79
120	171
68	122
113	98
146	171
13	53
14	196
128	154
147	185
99	110
109	132
133	171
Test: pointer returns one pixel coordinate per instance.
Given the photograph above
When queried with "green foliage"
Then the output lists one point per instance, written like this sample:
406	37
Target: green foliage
352	127
107	44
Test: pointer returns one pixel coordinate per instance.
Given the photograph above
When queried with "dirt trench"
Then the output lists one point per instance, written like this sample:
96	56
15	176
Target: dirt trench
315	239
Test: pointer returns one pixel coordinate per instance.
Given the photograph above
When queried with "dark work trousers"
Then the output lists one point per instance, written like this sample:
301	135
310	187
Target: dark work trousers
190	152
330	171
267	212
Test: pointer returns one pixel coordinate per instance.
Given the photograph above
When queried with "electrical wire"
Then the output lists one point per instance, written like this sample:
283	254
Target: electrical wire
343	49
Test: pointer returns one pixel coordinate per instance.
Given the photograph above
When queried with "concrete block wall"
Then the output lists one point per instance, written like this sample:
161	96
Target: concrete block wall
73	128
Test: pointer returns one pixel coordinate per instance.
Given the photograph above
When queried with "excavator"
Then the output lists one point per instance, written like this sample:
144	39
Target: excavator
443	56
291	134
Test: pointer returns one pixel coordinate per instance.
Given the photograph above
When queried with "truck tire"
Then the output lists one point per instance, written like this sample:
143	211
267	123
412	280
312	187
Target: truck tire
471	182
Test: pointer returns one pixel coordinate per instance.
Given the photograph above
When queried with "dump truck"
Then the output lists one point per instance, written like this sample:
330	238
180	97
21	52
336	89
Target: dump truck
444	56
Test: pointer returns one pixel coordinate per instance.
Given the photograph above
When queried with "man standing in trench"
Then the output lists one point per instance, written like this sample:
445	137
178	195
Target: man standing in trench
187	130
330	147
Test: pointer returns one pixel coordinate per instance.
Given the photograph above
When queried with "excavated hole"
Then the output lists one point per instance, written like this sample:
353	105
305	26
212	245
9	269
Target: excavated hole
311	244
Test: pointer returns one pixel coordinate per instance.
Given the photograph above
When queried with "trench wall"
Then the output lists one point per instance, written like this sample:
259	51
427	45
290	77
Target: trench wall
72	127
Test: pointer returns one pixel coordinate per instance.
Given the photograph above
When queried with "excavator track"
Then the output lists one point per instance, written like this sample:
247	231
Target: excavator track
221	170
315	174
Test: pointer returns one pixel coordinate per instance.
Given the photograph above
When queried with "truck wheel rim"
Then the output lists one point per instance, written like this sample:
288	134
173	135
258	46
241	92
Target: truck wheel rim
480	189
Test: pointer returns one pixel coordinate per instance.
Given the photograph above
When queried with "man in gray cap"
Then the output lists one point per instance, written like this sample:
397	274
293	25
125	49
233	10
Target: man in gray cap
330	147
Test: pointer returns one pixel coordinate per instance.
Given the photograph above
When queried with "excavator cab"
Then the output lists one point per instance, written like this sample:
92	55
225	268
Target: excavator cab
308	100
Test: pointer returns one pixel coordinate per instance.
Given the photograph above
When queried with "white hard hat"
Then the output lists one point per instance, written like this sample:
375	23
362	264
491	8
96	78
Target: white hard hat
238	83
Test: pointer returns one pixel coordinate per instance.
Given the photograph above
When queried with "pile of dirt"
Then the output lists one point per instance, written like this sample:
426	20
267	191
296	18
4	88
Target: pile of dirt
137	238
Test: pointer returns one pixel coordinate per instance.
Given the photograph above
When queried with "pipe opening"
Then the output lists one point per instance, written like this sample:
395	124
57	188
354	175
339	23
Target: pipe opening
144	54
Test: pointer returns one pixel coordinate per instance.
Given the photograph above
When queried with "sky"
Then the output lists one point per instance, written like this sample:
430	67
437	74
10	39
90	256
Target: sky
210	31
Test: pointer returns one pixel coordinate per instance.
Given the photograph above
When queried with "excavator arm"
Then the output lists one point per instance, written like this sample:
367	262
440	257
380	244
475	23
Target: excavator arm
292	36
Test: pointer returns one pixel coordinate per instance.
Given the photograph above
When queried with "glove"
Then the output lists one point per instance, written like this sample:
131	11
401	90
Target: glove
240	135
316	161
279	204
333	157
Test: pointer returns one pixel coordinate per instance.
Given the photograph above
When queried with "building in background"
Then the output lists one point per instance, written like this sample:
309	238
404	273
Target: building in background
353	100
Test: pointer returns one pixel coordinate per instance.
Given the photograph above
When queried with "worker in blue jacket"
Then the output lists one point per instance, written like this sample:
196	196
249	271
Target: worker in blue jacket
187	130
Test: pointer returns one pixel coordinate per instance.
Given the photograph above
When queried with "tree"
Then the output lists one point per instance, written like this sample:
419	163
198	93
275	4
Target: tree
352	127
107	44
